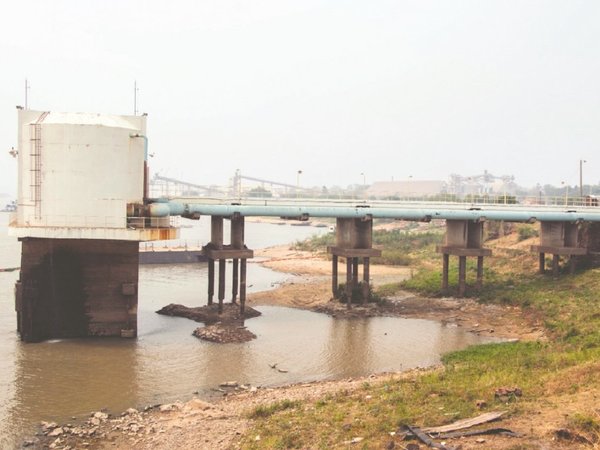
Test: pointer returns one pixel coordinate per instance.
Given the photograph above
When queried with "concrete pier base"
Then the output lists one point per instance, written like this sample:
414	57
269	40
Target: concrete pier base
463	239
77	288
236	251
559	239
354	243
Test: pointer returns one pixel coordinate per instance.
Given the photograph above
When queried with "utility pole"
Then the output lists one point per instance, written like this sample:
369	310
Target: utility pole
298	182
581	161
26	89
135	91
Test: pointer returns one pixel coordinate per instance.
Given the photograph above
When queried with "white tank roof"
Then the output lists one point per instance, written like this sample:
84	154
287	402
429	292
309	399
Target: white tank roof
88	119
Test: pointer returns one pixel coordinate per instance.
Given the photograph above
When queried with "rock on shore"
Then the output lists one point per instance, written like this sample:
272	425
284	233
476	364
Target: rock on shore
209	314
224	333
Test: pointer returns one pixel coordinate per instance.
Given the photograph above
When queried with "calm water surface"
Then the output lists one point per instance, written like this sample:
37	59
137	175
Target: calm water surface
59	379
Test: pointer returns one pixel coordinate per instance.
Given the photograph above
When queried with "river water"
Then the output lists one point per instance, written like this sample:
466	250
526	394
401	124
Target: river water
57	380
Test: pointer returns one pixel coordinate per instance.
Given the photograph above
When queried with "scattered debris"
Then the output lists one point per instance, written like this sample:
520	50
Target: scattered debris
354	440
425	439
459	434
450	431
568	435
505	394
481	404
466	423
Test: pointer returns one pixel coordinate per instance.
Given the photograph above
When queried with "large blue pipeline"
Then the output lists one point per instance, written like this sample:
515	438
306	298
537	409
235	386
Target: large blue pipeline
400	212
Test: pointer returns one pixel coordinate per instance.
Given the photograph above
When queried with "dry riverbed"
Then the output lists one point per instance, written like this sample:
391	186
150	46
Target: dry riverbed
221	424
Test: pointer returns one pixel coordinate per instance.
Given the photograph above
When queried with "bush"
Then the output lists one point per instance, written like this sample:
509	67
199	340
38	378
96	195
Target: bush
396	245
526	232
357	294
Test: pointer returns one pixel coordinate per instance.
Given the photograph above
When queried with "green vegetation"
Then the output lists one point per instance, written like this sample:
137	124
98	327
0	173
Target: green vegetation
561	368
357	294
527	231
399	247
262	411
316	243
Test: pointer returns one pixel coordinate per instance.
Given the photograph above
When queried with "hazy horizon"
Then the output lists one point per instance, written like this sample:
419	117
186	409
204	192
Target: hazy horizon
336	89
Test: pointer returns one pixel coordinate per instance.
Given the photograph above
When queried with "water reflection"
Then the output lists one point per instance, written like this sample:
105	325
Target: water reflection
348	350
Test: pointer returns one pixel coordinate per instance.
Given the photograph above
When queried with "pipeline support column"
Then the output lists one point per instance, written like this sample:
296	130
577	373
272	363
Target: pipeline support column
464	239
560	239
236	251
353	242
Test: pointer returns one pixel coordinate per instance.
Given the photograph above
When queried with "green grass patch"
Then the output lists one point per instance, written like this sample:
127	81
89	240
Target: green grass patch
399	247
265	411
568	308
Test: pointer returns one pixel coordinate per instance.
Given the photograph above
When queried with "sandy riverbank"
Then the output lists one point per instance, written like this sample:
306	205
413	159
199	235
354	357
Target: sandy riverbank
313	291
220	425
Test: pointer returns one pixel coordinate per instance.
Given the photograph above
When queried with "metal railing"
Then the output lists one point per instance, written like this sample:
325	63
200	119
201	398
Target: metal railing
142	223
68	221
446	200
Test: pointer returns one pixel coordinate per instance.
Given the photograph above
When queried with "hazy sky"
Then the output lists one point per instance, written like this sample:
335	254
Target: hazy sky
334	88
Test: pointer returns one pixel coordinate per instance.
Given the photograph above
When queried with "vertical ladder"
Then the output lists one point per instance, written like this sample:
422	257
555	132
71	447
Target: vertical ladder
35	165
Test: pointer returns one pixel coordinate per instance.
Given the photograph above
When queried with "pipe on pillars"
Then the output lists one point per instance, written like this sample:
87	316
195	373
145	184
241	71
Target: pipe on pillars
164	209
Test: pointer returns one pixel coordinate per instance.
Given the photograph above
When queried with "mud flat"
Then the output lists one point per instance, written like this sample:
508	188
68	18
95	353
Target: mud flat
311	289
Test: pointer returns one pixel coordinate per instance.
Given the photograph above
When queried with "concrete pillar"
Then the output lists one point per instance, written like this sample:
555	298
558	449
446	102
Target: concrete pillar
235	251
464	238
542	263
354	272
76	288
366	275
572	264
462	275
353	241
235	281
479	272
348	282
555	261
445	268
237	232
216	231
221	294
568	239
334	276
211	280
243	286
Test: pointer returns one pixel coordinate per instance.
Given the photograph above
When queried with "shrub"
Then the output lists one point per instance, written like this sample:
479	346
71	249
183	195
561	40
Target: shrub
526	232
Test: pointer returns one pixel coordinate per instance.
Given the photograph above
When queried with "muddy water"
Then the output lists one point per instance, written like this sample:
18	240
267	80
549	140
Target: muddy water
60	379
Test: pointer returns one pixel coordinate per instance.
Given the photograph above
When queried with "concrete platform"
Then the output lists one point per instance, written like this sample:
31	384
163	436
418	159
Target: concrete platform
457	251
354	252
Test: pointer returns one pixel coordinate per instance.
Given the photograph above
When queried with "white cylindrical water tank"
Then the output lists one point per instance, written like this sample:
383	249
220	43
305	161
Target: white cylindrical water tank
79	170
